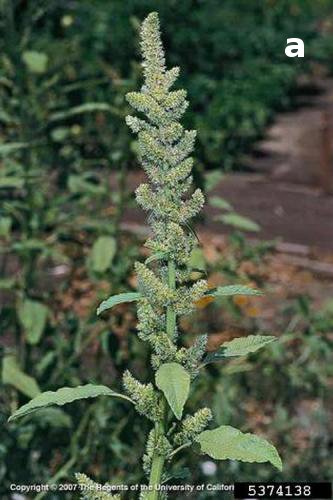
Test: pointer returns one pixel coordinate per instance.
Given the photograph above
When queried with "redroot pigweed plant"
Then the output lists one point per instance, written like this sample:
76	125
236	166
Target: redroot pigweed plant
166	291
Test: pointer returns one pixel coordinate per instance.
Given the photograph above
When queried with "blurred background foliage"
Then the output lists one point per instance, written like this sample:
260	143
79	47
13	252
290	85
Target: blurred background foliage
65	156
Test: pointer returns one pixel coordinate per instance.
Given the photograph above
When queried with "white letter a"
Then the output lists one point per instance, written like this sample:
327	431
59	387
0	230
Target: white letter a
296	49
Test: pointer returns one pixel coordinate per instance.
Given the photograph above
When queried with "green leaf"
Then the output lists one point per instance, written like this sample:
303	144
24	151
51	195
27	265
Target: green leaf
238	221
244	345
59	134
63	396
89	107
33	315
7	283
212	179
114	300
238	365
30	244
239	347
36	61
174	381
79	184
6	118
11	147
102	253
44	362
13	375
11	182
228	443
5	226
230	290
218	202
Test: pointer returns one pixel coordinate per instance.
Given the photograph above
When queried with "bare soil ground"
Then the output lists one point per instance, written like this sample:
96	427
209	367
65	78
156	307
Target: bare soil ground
290	212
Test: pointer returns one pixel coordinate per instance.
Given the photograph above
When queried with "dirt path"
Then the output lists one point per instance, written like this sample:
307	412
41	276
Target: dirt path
290	193
287	211
295	146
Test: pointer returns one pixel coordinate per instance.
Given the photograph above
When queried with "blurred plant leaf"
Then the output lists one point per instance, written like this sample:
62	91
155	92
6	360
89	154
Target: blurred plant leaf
13	375
11	182
33	315
7	283
36	62
238	221
88	107
5	117
230	290
5	226
30	244
212	179
80	184
218	202
11	147
59	134
45	362
102	253
52	417
237	365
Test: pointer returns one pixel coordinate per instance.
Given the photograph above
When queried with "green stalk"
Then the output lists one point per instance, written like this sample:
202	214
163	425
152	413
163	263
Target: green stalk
157	463
171	315
158	460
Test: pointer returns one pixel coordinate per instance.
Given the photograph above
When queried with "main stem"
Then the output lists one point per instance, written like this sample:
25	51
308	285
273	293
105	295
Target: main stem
158	460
